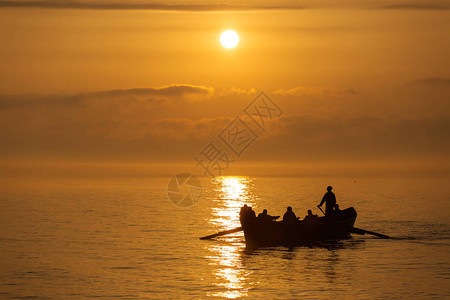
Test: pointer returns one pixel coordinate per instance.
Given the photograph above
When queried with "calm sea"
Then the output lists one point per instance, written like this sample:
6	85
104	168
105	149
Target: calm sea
124	239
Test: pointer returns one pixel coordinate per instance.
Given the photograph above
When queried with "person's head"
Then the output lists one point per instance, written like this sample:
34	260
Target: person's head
309	212
329	188
265	212
289	208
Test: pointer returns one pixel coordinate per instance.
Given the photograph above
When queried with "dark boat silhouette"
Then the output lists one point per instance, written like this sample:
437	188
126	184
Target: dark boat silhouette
262	232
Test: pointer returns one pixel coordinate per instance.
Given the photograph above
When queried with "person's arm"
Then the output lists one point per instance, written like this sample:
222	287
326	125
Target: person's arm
323	200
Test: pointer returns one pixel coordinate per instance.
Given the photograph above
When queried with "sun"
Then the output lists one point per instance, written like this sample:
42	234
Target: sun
229	39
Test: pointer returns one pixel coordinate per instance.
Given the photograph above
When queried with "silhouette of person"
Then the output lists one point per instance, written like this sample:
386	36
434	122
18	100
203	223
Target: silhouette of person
310	217
244	210
265	216
251	212
336	208
330	199
246	214
289	216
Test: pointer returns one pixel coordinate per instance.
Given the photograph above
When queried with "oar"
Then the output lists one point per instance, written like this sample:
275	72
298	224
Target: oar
321	210
360	231
221	233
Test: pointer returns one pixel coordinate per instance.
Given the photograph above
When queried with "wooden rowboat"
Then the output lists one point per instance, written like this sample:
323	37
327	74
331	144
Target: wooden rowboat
262	232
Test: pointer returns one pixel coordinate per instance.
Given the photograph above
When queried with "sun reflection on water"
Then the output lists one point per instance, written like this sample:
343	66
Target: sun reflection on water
233	187
231	192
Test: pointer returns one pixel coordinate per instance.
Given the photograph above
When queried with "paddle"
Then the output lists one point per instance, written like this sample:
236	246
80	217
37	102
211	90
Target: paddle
358	230
362	232
208	237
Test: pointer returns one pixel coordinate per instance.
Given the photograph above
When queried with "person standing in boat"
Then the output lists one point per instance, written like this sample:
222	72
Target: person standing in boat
330	199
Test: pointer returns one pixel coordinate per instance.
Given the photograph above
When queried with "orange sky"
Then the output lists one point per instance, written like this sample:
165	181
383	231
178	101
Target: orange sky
124	82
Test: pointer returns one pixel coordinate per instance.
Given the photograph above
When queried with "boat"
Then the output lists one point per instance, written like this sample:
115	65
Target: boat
260	232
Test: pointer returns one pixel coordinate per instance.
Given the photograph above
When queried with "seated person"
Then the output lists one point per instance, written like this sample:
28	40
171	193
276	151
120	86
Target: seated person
251	212
244	210
265	216
289	216
336	208
246	213
310	216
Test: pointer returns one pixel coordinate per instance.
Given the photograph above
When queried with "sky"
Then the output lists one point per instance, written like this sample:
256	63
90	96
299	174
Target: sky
360	83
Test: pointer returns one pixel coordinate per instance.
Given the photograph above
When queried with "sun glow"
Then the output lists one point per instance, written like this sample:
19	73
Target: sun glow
234	187
232	192
229	39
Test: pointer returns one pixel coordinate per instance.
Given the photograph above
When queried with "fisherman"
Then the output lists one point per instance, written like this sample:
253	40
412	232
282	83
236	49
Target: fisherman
310	217
289	216
243	211
265	216
330	199
247	213
251	212
336	208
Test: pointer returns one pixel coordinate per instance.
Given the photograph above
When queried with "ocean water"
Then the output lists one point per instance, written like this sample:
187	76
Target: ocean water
124	239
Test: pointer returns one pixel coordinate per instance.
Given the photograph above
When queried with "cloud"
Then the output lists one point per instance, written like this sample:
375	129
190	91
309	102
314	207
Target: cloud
208	7
315	92
172	90
163	123
365	137
237	91
434	82
416	6
166	129
140	6
148	95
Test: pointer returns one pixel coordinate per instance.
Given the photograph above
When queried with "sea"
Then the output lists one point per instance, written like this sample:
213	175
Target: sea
125	238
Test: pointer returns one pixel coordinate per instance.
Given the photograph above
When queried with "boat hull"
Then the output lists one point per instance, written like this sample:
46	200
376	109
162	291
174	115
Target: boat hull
259	233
